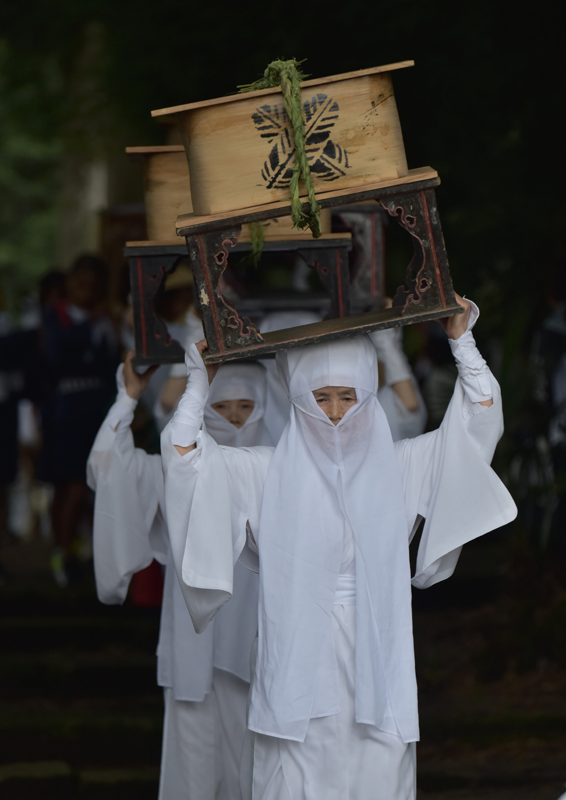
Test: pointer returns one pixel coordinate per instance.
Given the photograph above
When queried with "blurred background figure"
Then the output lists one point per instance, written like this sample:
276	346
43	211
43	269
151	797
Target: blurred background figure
548	367
175	303
399	392
18	380
80	354
52	287
435	371
10	387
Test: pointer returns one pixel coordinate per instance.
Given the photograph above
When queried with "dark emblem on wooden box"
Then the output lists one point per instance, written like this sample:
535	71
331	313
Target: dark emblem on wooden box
327	160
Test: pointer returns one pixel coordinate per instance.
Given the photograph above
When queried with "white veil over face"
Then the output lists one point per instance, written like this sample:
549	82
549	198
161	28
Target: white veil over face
238	382
325	482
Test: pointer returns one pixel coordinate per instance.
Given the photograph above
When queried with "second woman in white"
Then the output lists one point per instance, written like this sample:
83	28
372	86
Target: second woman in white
205	677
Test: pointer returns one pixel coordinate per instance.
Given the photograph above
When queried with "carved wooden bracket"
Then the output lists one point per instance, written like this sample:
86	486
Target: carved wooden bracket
148	271
427	280
427	292
225	330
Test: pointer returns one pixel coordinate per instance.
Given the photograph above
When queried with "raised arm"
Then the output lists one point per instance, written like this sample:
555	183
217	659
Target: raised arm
446	474
197	499
188	417
128	488
212	494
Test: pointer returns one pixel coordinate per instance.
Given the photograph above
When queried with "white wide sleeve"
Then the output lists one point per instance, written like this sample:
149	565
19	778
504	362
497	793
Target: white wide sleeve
128	486
212	496
197	507
448	482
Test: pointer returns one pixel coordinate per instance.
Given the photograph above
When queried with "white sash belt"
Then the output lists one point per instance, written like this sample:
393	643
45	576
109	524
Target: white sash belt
345	591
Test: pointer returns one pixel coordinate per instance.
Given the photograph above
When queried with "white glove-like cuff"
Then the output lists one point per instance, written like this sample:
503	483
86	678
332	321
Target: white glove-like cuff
389	348
122	412
187	419
472	368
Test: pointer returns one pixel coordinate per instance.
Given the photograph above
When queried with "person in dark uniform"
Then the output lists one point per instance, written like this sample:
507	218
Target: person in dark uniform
81	354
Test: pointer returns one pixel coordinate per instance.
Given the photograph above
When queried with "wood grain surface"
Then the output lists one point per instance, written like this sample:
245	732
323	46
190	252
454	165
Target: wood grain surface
241	154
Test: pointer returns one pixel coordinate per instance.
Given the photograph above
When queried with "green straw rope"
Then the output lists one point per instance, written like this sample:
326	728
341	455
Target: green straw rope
257	237
288	75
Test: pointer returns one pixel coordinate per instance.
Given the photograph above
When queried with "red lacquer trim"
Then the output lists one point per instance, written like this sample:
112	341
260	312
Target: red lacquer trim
142	312
373	276
211	302
433	250
339	277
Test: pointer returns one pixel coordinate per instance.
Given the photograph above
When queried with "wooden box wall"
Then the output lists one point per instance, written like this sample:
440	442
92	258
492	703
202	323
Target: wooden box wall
240	151
167	195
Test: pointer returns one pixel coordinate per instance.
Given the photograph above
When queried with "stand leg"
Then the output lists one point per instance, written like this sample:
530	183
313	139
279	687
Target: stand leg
223	327
367	258
427	281
154	345
331	265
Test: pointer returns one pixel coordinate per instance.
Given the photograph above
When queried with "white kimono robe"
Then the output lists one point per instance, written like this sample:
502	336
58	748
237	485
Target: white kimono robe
446	480
205	677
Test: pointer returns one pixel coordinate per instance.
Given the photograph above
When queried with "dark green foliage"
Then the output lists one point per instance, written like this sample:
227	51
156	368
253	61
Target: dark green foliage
30	151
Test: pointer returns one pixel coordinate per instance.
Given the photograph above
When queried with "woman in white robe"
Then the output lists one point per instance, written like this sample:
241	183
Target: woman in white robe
205	678
331	512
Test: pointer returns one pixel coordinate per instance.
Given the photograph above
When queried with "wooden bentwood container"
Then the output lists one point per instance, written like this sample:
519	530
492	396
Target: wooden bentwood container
167	188
240	150
167	192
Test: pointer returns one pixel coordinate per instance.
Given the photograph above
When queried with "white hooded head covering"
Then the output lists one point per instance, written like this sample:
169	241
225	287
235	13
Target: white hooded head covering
278	406
324	483
238	382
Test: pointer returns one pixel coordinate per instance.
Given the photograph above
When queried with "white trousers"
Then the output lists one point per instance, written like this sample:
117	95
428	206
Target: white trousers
202	742
340	759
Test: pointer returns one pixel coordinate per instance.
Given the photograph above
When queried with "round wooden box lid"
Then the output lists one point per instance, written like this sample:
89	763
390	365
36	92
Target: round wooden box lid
234	98
143	153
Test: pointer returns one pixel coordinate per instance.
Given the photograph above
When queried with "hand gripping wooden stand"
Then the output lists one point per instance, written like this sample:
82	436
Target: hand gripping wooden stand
240	156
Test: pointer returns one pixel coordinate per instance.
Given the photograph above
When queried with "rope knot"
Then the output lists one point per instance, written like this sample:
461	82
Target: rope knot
288	75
